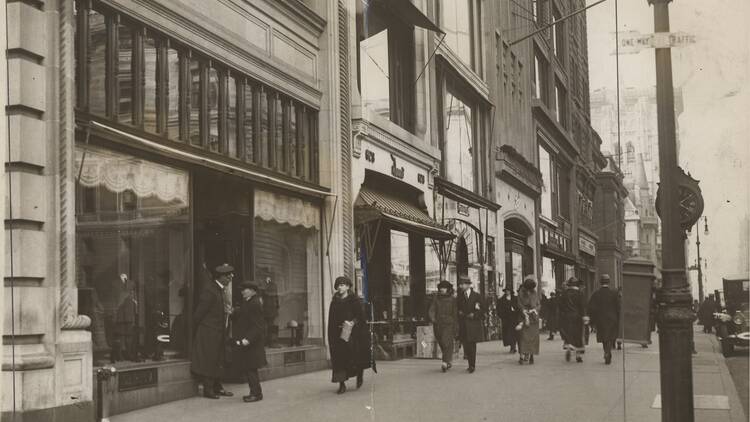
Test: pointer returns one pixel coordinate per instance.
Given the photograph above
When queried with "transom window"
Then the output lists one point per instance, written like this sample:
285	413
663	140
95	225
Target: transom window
460	20
459	145
133	75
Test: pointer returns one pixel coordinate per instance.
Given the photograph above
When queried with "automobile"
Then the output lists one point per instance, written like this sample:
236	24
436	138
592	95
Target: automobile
732	323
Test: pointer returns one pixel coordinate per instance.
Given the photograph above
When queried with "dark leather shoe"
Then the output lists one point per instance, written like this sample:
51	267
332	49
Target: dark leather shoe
225	393
211	396
471	370
251	398
342	389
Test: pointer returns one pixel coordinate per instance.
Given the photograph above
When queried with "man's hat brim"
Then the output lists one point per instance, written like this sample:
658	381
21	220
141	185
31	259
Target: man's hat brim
249	285
224	269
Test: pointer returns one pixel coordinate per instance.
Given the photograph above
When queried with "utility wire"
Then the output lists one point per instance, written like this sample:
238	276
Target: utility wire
549	25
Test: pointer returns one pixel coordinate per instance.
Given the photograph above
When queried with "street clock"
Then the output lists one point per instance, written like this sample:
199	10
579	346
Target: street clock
691	200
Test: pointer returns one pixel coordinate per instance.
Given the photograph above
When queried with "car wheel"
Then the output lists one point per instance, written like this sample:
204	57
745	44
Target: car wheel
727	348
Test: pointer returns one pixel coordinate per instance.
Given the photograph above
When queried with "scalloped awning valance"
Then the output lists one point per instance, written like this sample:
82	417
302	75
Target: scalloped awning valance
284	209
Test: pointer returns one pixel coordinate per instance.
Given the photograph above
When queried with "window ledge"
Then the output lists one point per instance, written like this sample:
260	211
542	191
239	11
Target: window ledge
548	220
393	137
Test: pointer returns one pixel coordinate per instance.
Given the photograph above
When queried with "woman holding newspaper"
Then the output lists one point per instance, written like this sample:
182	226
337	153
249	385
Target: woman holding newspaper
348	335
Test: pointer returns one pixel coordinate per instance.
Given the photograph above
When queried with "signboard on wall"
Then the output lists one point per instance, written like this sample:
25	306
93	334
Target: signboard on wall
636	307
586	244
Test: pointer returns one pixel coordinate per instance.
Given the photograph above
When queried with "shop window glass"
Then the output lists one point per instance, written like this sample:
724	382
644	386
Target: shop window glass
401	297
213	109
149	83
287	270
459	141
548	275
431	267
96	55
194	122
132	252
232	149
173	94
374	56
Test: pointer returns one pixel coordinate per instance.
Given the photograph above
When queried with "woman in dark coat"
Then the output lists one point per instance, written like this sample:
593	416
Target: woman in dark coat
350	356
550	315
249	331
572	311
507	310
528	303
443	314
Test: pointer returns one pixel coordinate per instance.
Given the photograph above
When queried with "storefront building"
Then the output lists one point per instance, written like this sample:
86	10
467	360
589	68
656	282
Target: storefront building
609	221
186	135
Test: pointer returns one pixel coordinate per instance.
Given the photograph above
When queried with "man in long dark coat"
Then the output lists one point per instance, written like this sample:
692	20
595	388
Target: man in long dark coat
604	314
572	311
210	336
706	313
550	315
470	317
507	310
249	331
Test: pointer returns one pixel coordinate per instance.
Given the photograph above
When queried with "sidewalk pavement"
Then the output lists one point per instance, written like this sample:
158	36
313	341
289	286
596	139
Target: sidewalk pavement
500	390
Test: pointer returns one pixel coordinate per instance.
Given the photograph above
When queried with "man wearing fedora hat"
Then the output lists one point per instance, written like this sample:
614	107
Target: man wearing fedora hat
572	311
507	310
470	317
604	313
249	338
210	336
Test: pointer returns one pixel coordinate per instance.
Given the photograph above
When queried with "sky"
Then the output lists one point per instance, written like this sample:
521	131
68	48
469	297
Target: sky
715	124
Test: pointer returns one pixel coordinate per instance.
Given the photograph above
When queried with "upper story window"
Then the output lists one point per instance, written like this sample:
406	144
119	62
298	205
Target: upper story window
549	182
460	19
460	137
540	79
561	104
558	34
386	64
136	77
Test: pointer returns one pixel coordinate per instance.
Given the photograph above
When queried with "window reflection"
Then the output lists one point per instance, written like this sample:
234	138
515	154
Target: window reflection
431	266
213	109
173	94
459	141
96	62
149	84
232	149
195	102
125	74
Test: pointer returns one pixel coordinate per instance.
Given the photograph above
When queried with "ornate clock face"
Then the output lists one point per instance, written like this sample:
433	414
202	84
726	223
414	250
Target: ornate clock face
690	205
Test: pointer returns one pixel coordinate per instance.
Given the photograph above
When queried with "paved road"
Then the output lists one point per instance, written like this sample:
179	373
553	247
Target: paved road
738	368
415	390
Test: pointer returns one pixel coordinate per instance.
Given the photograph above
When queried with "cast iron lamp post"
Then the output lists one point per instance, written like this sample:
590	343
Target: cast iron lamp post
675	313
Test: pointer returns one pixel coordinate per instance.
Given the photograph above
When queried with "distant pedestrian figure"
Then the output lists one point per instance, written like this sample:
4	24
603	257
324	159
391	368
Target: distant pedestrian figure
249	336
528	303
604	314
550	314
348	335
572	308
706	313
507	310
470	316
443	314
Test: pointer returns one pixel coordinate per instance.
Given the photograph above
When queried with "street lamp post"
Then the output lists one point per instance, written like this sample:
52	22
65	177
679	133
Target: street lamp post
675	313
700	267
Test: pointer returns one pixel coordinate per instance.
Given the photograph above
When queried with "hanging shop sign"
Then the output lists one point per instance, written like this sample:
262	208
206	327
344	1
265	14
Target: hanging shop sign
586	244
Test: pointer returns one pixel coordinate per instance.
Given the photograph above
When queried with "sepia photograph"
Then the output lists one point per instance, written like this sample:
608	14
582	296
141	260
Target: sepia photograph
375	210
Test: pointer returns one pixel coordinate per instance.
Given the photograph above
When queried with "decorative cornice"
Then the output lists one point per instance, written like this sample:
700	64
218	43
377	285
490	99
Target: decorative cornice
463	71
412	150
515	165
300	13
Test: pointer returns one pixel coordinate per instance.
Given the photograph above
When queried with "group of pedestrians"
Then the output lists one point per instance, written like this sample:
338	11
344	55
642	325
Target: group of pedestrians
567	311
454	317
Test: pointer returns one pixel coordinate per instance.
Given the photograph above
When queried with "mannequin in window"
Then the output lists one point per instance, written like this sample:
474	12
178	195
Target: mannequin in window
126	305
271	311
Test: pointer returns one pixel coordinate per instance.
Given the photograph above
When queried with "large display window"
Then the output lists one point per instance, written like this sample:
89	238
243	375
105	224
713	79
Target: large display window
132	255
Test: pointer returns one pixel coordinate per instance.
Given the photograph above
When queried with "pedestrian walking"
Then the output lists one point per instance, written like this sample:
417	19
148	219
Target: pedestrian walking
348	335
529	304
604	314
209	345
470	317
706	313
550	315
572	308
507	310
250	339
443	314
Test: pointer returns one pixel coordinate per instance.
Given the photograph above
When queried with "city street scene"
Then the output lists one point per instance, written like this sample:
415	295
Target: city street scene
377	210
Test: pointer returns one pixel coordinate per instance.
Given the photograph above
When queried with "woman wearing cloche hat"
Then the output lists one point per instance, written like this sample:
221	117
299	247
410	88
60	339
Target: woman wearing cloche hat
443	314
